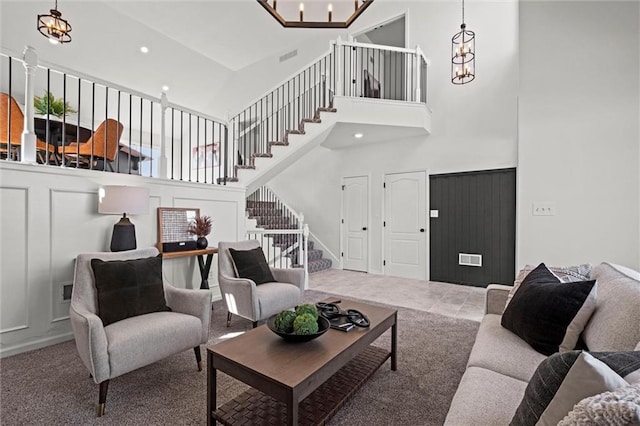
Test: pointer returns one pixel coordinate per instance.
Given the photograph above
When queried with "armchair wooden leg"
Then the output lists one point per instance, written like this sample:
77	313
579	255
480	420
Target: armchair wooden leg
198	357
228	319
102	399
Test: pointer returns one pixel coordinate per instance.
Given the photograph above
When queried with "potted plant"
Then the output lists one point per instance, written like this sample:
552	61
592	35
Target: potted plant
201	227
48	104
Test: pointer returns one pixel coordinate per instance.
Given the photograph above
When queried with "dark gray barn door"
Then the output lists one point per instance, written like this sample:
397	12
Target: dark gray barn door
476	216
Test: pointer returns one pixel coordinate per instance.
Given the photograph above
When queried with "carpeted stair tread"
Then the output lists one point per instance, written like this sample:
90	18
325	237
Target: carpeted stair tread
314	254
284	142
318	265
268	217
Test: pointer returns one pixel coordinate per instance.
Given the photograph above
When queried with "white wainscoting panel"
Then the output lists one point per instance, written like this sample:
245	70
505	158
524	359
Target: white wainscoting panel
48	215
14	286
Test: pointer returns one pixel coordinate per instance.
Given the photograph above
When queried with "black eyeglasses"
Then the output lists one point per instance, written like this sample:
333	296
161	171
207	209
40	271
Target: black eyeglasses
331	310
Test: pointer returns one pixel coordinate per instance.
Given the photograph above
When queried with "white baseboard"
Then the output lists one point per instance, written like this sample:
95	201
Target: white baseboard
35	344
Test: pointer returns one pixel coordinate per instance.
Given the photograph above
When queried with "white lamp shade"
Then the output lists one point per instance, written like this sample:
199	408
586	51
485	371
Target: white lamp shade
117	199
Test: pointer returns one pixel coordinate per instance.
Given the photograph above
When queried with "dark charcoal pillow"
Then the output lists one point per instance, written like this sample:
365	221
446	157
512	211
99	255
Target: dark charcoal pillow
127	288
251	264
564	379
548	314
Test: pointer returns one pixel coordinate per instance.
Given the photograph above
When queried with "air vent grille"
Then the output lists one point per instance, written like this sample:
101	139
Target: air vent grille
467	259
289	55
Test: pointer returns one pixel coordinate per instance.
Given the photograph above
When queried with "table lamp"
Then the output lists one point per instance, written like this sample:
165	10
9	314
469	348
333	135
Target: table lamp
116	199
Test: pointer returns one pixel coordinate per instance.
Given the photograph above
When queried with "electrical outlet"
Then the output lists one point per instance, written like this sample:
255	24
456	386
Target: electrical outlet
544	209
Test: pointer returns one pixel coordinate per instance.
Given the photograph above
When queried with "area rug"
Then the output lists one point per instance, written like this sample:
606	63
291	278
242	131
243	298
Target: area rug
51	386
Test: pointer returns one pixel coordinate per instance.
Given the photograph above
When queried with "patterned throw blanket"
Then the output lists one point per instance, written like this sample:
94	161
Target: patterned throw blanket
620	407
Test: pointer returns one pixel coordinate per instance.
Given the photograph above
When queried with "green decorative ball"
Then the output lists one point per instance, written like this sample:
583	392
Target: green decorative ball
305	324
284	321
307	309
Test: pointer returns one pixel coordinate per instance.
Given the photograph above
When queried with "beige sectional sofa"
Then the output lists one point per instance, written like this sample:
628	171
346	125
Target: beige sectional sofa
501	364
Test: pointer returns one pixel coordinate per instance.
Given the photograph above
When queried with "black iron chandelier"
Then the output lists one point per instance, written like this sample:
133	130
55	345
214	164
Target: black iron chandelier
53	27
299	21
463	54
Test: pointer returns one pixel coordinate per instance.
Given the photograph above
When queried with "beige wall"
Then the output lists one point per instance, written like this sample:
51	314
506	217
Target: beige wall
579	141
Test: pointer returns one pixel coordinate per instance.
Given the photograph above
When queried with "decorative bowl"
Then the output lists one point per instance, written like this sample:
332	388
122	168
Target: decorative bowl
323	326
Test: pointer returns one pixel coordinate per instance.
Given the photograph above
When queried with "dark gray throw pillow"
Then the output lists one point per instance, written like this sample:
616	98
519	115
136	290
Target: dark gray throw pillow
548	314
564	379
127	288
251	264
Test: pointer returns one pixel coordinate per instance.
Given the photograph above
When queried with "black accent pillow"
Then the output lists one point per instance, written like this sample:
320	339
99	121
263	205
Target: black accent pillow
563	379
251	264
127	288
548	314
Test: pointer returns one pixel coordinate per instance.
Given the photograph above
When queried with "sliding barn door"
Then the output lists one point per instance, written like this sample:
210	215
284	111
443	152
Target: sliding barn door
473	227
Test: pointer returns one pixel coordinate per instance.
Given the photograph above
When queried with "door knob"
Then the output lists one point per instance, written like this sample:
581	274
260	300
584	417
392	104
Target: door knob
364	228
421	229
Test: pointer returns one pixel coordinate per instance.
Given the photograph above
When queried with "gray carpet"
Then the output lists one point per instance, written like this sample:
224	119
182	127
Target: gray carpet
51	386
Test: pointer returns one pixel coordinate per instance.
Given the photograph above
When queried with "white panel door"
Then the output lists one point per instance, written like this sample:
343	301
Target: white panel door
355	211
405	210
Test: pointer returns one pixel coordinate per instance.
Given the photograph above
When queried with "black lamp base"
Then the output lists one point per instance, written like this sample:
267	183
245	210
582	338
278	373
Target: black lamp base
124	235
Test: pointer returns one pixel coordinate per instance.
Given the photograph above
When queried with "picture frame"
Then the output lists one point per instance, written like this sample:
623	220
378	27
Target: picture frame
205	156
173	228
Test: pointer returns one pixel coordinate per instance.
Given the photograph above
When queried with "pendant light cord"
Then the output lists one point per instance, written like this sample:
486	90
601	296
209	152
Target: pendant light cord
462	10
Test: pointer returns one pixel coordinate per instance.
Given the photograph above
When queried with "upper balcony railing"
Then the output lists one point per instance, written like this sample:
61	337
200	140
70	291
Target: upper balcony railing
84	122
112	128
348	69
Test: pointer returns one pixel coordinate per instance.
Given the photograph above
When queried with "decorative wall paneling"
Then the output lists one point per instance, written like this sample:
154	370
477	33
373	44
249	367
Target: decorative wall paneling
48	215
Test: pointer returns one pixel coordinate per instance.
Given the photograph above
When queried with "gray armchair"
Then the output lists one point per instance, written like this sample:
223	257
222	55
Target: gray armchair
123	346
256	302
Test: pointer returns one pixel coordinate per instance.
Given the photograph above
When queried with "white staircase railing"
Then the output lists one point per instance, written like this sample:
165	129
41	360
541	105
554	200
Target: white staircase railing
167	141
289	240
347	69
283	234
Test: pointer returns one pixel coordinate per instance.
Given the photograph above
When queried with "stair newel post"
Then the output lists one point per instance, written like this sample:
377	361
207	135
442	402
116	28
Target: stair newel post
225	151
302	243
163	165
339	67
28	147
418	69
305	238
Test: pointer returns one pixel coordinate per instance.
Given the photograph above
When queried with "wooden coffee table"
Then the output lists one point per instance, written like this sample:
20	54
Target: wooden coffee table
298	383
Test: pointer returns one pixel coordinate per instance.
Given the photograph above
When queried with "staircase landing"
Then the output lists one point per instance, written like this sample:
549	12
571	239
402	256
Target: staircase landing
379	120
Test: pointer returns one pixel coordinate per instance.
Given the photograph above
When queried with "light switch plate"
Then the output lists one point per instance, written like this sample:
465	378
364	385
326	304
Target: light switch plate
544	209
433	213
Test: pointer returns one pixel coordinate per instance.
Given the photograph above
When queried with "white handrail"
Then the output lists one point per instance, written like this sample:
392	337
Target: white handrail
378	47
284	81
293	231
76	74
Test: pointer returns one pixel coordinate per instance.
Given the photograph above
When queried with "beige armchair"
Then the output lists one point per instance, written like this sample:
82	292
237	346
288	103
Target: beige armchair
123	346
256	302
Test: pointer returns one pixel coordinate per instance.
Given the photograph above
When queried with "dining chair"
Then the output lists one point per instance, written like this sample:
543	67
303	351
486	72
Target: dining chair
11	133
101	146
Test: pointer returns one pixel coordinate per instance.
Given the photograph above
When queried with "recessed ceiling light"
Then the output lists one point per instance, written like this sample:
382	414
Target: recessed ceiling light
165	88
144	49
358	135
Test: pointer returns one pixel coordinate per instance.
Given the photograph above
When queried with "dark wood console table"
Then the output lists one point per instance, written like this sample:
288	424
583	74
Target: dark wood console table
205	265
